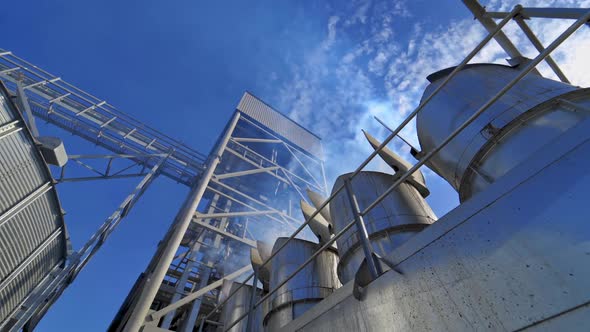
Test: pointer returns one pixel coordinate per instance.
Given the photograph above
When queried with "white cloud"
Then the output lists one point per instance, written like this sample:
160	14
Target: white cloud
331	32
336	91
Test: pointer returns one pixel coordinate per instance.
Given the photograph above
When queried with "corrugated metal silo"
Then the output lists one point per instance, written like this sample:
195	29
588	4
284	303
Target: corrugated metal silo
33	238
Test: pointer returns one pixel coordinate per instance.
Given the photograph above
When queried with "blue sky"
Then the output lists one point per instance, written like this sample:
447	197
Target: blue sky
182	66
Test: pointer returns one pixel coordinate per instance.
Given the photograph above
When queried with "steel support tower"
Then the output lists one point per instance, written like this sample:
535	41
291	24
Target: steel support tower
247	189
136	150
250	190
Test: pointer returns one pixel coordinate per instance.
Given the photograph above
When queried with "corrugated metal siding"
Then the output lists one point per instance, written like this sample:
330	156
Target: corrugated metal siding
282	125
20	173
32	240
25	231
31	276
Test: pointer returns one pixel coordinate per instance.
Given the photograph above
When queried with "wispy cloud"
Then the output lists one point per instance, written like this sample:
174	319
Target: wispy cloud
346	80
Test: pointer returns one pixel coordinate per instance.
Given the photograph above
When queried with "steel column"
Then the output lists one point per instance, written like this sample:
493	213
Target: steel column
192	252
154	280
79	259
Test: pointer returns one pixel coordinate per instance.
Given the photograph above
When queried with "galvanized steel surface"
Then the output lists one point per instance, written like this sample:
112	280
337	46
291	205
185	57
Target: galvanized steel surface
397	218
470	89
514	257
32	232
315	282
236	306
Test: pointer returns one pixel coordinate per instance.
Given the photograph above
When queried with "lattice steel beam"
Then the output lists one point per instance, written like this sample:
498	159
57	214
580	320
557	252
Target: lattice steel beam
52	99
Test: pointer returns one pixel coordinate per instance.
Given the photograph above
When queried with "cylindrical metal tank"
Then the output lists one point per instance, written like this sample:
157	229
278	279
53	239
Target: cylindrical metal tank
236	306
402	214
33	236
311	285
521	122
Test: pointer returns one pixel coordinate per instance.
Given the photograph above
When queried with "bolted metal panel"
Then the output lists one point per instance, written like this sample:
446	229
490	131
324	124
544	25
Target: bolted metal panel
314	283
522	137
397	218
282	125
32	232
461	97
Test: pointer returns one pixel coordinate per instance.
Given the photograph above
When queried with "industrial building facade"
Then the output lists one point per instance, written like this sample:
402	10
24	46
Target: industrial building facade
266	162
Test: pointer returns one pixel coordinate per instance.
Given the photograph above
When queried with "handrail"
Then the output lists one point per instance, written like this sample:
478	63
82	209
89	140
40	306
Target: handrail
372	155
526	70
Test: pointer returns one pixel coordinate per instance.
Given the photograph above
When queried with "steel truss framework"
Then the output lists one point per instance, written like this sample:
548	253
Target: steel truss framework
60	103
255	179
257	184
46	293
183	274
519	14
251	191
258	180
138	151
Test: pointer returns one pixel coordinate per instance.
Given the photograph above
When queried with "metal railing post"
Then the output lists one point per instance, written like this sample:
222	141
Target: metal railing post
252	299
363	235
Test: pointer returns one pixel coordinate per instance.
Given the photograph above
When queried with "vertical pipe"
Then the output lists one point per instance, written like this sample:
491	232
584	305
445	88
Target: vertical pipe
189	322
374	267
183	221
252	299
